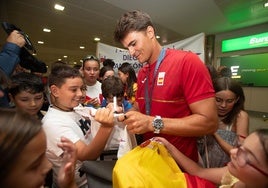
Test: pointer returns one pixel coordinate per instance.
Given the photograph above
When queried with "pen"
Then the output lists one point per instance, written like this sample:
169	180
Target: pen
115	103
117	115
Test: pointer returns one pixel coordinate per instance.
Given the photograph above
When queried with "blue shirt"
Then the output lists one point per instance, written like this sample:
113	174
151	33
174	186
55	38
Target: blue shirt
126	104
9	58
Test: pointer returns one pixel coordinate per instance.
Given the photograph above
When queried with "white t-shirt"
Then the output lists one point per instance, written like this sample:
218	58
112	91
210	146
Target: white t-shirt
57	123
94	91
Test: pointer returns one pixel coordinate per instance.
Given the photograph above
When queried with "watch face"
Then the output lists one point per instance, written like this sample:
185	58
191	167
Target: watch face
158	123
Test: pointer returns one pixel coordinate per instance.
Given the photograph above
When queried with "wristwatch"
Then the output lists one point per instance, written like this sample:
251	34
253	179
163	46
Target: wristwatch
158	124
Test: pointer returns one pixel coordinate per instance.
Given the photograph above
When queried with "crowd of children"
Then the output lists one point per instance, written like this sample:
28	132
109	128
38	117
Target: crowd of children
33	140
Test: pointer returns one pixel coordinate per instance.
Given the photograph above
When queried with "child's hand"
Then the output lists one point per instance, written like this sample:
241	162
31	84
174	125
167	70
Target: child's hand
105	117
118	109
67	170
164	141
94	102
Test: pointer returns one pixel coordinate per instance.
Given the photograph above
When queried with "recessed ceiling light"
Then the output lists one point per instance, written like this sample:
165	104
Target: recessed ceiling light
157	36
65	56
96	39
75	63
82	47
40	42
59	7
46	30
59	59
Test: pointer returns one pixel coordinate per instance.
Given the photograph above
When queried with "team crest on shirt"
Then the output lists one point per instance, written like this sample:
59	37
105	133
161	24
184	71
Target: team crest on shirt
160	78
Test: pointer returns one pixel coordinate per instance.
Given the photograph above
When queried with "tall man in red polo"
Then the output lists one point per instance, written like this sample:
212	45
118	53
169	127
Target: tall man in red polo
175	96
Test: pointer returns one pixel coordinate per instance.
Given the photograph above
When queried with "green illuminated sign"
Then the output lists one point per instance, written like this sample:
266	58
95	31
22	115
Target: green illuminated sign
242	43
249	70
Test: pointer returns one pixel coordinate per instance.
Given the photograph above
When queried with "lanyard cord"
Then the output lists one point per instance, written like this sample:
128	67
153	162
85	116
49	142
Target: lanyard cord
148	96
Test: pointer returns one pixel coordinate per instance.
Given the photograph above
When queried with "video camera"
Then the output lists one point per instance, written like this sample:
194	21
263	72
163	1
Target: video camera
27	60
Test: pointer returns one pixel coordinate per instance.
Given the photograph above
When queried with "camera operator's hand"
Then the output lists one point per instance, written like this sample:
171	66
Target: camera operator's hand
16	38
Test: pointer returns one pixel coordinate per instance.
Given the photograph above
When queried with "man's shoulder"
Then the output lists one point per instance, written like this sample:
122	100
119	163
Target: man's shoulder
177	52
55	116
183	57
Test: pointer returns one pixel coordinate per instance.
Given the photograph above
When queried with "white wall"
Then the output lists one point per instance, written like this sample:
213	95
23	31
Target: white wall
256	98
256	121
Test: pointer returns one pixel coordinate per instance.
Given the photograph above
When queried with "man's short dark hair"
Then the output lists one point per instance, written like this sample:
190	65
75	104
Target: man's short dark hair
131	21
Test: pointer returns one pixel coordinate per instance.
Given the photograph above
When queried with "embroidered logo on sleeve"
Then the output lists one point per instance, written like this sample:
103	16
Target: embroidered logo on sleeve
160	78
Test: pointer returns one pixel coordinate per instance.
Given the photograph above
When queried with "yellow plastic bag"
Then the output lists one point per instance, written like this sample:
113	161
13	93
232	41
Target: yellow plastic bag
149	166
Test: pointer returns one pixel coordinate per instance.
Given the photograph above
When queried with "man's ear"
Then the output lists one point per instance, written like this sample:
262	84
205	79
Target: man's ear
54	90
150	32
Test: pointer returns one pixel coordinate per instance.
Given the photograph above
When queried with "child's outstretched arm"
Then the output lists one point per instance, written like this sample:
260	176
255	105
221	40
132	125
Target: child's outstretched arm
66	172
94	149
189	166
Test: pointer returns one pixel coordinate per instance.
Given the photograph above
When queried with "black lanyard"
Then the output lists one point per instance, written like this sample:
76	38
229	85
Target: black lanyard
148	96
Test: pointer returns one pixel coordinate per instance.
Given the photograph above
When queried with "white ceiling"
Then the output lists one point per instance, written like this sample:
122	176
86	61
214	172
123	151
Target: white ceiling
82	20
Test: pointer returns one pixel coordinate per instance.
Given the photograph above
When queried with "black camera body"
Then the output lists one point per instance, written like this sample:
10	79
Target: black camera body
27	60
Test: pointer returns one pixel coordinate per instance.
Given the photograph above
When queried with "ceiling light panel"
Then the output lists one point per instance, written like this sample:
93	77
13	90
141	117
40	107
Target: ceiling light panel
59	7
46	30
96	39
